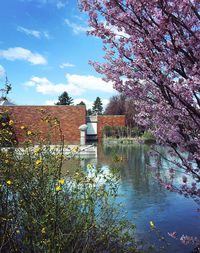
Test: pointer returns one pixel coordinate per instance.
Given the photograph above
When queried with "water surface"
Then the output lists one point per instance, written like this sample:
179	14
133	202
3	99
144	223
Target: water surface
145	198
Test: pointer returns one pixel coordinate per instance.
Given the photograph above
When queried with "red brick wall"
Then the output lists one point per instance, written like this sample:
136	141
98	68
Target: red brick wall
70	117
102	121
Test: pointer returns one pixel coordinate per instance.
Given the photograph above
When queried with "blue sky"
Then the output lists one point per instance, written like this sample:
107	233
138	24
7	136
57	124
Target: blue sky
44	50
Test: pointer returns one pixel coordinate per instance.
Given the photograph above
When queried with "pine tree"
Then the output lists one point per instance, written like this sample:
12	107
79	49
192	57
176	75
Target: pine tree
97	107
64	99
81	103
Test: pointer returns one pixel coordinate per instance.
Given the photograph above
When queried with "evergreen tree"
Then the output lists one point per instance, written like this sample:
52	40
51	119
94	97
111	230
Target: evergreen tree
64	99
81	103
97	107
89	112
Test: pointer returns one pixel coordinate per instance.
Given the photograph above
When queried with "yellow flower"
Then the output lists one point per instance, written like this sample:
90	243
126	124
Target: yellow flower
77	174
43	230
17	231
58	188
3	124
22	127
10	122
151	223
8	182
37	150
29	132
61	181
38	161
6	161
89	165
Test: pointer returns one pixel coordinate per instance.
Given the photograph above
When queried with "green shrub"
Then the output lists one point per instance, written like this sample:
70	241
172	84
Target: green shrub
7	134
41	210
122	131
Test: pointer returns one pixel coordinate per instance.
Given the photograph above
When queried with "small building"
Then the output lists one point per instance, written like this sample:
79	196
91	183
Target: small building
70	118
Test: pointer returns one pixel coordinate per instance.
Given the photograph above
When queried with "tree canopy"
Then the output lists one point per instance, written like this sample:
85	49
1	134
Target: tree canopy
64	99
152	53
97	108
81	103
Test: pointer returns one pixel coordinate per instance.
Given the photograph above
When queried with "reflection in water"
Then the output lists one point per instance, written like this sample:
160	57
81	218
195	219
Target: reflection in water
144	197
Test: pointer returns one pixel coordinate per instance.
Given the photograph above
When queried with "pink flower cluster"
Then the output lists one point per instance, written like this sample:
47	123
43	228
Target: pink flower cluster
152	55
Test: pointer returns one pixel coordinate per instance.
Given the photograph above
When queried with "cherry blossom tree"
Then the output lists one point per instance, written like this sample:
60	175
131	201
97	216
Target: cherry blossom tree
152	55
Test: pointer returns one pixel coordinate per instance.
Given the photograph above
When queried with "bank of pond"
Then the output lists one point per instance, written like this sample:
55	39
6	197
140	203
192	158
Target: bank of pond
50	202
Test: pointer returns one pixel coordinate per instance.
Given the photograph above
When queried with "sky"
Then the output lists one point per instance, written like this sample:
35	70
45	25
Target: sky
44	51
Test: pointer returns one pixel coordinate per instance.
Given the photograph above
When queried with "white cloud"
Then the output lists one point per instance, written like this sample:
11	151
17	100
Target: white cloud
105	102
35	33
76	85
90	82
44	86
67	64
19	53
51	102
60	5
2	71
75	27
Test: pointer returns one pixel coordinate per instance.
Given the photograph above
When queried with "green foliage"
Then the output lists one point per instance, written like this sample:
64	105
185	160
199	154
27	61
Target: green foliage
97	108
81	103
121	132
41	210
7	134
5	90
89	112
64	99
148	137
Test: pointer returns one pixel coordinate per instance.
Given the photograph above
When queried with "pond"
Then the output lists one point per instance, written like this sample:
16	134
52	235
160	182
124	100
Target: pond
144	198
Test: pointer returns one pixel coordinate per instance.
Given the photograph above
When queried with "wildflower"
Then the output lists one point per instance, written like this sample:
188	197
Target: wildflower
61	181
29	132
89	165
58	188
8	182
22	127
38	162
37	150
77	174
10	122
17	231
3	124
151	223
6	161
43	230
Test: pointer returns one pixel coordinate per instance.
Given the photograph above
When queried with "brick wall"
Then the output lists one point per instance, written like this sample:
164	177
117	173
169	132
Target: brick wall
70	117
118	120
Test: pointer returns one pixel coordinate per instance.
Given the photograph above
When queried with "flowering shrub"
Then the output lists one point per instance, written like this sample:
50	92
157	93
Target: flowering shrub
7	135
43	211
